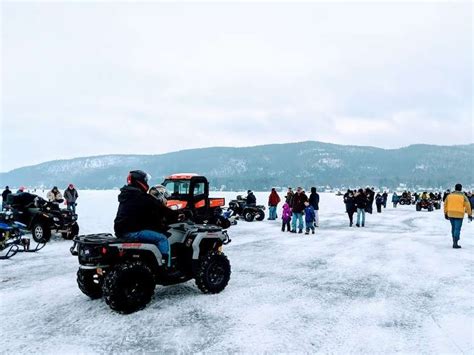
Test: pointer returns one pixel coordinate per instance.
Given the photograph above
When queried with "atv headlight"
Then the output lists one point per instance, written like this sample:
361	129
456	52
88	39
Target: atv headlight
56	219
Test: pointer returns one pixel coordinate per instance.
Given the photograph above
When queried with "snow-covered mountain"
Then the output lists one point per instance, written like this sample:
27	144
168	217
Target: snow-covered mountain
260	167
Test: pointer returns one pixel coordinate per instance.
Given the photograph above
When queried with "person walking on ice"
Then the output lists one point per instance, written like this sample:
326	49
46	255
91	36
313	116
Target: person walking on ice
455	205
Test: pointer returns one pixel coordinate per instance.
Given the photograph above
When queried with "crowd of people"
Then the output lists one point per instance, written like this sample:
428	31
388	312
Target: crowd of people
297	206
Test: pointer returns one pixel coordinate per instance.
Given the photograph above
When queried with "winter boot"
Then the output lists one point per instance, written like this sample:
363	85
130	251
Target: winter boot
362	224
307	232
300	231
293	231
455	243
312	231
357	225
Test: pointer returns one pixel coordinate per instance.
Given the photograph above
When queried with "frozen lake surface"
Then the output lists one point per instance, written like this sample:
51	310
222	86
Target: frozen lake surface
394	286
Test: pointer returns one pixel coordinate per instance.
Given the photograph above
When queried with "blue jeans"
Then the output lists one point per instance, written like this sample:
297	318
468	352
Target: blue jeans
456	224
148	236
297	217
72	207
360	216
272	211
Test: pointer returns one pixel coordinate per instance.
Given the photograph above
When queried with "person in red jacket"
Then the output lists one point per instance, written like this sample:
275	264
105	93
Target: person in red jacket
273	201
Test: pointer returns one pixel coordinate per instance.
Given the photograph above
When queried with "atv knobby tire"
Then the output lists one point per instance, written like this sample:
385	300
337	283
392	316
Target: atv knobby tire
213	273
128	287
89	283
40	233
249	216
418	207
260	215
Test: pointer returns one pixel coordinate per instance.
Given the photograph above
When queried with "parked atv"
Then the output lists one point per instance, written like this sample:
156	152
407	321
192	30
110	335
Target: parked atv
248	212
424	204
405	201
41	217
125	272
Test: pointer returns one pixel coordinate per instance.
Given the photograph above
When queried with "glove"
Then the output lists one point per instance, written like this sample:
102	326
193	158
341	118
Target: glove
446	216
470	218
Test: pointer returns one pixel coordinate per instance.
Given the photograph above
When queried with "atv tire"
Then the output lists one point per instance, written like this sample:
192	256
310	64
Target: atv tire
260	215
128	287
89	283
74	232
213	273
430	209
40	233
249	216
418	207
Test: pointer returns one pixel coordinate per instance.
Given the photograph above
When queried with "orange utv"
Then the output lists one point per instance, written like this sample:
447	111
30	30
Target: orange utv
191	192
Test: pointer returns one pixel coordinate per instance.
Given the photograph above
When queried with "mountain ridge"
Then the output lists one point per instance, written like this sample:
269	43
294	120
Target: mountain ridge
264	166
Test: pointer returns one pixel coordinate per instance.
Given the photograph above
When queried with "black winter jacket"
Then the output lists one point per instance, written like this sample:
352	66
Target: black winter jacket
361	201
251	199
138	211
297	204
314	200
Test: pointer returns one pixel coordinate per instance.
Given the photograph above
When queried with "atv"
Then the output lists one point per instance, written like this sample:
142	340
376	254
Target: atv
124	272
41	217
12	240
190	193
248	212
405	201
424	204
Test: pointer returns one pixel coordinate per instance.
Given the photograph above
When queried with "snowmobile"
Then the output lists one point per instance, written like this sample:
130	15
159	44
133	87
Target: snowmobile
424	204
12	240
248	212
41	217
124	272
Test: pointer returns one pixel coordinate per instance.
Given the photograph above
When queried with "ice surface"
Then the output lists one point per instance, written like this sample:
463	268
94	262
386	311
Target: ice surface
394	286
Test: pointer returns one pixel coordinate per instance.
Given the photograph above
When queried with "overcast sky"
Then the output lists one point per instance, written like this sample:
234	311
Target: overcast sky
90	78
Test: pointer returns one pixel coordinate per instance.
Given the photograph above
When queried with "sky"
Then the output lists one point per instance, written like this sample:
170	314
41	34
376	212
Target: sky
91	78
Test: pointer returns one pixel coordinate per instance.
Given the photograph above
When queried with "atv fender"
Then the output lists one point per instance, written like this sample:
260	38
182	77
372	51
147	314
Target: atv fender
202	239
146	250
43	219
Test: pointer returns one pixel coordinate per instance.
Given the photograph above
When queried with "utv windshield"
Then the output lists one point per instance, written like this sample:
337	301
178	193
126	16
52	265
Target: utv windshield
177	187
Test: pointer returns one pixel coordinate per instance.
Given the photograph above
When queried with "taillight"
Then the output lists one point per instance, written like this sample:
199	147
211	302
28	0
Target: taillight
104	250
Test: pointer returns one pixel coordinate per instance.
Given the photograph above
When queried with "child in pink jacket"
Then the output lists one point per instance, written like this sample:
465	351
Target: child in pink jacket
286	217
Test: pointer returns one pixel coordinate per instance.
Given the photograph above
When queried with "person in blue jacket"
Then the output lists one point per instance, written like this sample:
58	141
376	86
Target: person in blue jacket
309	217
314	201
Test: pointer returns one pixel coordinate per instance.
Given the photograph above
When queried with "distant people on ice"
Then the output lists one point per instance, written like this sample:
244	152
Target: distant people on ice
54	195
71	195
395	199
309	217
5	194
349	201
456	205
314	202
379	202
361	202
273	201
286	217
297	208
251	199
289	196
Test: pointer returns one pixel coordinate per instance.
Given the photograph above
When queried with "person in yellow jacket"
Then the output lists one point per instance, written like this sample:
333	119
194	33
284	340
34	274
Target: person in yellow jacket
455	205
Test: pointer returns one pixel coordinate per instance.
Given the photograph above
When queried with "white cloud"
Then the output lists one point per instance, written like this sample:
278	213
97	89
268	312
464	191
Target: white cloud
157	77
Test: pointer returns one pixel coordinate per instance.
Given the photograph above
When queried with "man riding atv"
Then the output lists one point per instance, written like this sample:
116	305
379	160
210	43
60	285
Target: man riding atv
142	216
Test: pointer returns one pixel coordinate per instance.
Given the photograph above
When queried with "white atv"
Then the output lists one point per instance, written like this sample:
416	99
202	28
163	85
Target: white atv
125	272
